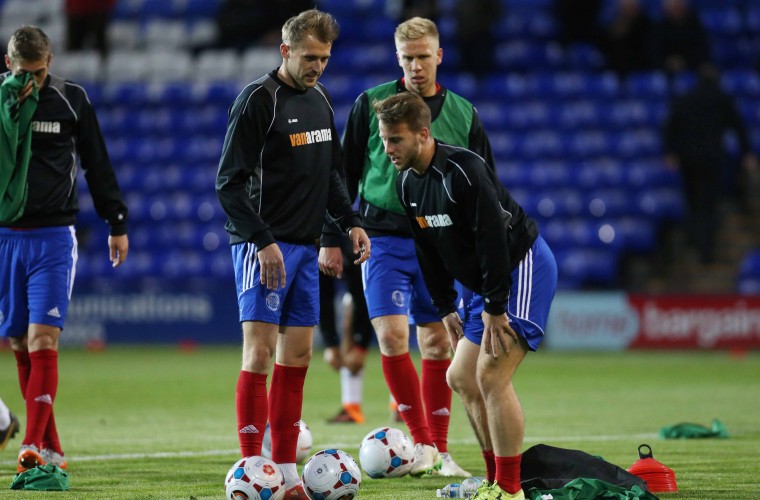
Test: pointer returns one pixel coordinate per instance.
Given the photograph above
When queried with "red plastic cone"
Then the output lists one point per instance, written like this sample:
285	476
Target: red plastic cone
659	478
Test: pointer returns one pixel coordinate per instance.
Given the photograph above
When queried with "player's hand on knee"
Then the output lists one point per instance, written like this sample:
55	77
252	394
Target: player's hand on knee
333	358
453	324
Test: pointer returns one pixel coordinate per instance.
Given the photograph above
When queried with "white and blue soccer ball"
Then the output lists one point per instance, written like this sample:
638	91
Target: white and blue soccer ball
303	447
386	452
254	478
331	475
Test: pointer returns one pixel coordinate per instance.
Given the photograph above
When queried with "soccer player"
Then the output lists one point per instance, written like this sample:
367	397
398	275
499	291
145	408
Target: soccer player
278	173
346	352
54	124
393	285
468	228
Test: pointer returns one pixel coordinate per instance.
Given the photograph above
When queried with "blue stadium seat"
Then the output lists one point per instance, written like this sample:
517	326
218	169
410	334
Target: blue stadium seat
579	114
514	175
742	83
607	172
545	174
662	203
637	143
750	266
643	174
131	94
609	202
589	144
637	233
580	268
722	21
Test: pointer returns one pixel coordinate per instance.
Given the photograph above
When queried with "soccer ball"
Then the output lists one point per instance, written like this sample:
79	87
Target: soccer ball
254	478
331	475
386	452
303	447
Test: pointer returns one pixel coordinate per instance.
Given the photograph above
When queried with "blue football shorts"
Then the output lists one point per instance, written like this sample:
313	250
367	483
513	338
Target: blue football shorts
295	305
37	268
393	282
534	282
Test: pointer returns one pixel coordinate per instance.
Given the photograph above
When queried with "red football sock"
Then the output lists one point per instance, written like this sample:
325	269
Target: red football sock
404	384
508	473
252	409
437	396
285	401
488	456
50	438
24	367
40	393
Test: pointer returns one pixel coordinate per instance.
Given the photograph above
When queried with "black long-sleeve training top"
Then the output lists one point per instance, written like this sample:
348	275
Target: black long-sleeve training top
279	166
466	226
64	128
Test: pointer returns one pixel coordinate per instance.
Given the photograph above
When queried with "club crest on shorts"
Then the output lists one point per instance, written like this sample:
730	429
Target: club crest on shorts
398	298
273	301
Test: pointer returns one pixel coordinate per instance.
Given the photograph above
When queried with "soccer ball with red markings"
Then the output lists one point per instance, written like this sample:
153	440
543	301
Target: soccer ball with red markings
254	478
303	446
331	475
386	452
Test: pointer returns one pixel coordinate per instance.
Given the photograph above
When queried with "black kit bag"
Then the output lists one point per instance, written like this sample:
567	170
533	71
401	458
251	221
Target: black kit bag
547	467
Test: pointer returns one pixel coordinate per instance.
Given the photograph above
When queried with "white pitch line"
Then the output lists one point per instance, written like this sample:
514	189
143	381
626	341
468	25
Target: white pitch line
322	446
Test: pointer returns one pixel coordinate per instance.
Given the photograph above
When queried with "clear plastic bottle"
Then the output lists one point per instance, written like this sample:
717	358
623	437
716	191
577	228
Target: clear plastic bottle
452	490
470	486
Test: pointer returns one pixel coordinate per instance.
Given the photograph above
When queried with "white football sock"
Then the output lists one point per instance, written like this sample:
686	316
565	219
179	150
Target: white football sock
5	416
351	386
290	473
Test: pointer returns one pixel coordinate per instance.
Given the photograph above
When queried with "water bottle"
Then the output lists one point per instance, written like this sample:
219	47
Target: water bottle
453	490
470	486
466	489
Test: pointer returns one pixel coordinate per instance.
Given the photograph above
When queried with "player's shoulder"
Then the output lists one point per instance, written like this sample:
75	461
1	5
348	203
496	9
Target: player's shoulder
459	155
450	94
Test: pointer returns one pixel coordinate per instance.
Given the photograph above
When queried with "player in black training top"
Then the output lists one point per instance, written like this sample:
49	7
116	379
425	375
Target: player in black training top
467	227
48	131
277	175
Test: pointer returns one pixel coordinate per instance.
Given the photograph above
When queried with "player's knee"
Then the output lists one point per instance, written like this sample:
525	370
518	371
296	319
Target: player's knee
43	338
458	381
257	359
491	380
434	344
393	343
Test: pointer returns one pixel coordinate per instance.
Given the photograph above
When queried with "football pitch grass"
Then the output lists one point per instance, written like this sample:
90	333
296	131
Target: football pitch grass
159	422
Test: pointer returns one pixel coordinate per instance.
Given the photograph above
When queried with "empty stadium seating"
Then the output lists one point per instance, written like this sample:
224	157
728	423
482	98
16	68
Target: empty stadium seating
576	145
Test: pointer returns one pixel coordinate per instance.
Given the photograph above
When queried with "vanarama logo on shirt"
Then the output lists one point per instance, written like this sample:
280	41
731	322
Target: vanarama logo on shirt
46	127
441	220
311	137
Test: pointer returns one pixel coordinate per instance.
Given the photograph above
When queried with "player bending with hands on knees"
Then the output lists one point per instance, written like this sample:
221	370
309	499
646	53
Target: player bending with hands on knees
393	286
48	130
278	173
467	227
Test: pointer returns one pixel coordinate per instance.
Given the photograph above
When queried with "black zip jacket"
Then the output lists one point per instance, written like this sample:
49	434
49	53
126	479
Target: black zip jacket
466	226
280	163
64	129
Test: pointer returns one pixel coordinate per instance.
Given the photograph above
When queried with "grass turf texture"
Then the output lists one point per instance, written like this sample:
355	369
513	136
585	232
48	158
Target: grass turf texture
158	422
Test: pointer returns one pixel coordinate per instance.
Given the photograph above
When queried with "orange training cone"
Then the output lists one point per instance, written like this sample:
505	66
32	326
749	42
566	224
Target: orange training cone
659	477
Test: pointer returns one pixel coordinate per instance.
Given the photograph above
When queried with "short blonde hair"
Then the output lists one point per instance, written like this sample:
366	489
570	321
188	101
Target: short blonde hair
314	22
416	28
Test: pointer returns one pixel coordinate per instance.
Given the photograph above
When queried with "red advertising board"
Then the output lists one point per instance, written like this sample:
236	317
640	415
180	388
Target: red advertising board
697	321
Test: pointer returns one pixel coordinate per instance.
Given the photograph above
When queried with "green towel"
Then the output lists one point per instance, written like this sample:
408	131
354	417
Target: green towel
15	145
590	489
689	430
47	477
